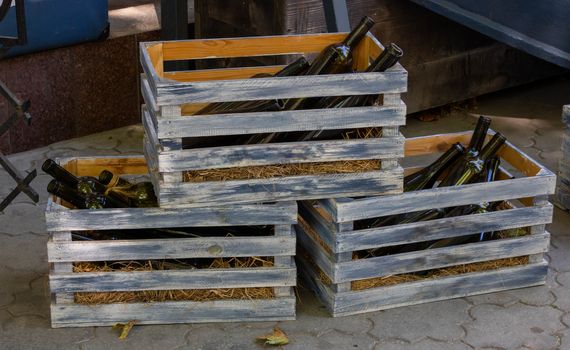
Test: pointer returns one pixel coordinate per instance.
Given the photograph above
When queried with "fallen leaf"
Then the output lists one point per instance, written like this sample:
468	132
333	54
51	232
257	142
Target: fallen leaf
125	329
278	337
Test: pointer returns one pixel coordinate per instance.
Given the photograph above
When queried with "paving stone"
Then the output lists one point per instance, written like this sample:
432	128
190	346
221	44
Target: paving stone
560	223
140	337
32	301
498	298
426	344
558	254
513	326
564	339
32	332
25	253
20	218
417	322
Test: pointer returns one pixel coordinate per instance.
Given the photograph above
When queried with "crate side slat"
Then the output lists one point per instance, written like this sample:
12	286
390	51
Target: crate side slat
282	121
309	276
319	256
250	46
188	194
442	228
440	257
221	73
133	218
77	315
180	248
172	279
280	153
152	66
439	289
391	81
324	228
147	93
443	197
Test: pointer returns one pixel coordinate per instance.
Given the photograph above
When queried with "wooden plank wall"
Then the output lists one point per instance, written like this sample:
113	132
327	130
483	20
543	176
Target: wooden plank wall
446	61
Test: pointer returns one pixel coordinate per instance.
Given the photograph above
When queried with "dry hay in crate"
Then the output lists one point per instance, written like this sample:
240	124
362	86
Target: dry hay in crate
149	296
282	170
430	274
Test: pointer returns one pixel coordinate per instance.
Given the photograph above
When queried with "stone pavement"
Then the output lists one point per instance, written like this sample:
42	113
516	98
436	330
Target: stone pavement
532	318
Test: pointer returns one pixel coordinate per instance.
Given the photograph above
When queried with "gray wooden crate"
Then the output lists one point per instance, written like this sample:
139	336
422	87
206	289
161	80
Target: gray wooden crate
63	252
330	241
562	198
172	97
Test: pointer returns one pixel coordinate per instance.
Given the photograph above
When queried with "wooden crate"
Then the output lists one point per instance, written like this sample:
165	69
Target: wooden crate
172	97
563	183
63	252
327	246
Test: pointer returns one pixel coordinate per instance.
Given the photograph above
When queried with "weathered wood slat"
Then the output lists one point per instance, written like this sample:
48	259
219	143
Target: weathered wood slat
441	228
318	255
443	197
76	315
181	248
440	257
280	153
172	279
221	73
439	289
190	194
282	121
61	219
146	92
393	81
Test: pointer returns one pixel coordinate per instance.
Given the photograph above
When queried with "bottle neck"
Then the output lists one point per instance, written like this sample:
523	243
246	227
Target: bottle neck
492	146
59	173
389	57
358	32
447	158
492	166
480	133
67	194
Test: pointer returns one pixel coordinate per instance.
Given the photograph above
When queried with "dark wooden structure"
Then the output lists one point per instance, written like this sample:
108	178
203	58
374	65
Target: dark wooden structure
446	61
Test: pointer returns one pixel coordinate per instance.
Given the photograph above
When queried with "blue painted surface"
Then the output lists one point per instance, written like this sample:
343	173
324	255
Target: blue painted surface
539	27
56	23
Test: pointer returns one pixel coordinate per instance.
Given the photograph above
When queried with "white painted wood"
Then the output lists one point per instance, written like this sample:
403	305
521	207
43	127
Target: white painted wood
284	232
176	248
203	194
280	153
392	81
76	315
61	267
440	257
147	94
539	227
172	279
283	121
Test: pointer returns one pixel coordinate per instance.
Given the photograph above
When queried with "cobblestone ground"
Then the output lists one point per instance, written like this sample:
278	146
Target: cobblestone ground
532	318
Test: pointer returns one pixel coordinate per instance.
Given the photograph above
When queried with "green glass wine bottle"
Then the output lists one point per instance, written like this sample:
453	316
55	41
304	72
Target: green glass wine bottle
428	176
470	167
335	58
298	67
84	184
109	179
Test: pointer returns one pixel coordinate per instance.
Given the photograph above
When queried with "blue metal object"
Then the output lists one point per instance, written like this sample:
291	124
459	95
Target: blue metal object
541	28
56	23
336	16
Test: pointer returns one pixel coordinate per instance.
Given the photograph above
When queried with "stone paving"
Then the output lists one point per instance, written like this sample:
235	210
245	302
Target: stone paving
531	318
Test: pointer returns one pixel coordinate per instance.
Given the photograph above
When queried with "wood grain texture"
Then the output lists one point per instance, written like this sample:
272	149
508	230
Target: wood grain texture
267	122
181	248
147	94
280	153
174	312
60	219
443	197
393	81
440	257
172	279
439	289
441	228
221	73
189	194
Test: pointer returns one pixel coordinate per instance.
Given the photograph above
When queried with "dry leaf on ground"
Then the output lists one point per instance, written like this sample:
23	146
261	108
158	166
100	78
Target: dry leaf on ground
278	337
125	329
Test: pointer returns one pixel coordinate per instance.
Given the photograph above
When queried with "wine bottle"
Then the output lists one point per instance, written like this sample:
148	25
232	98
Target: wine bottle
84	184
388	58
140	194
491	170
473	150
108	179
470	167
297	67
335	58
67	194
427	177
